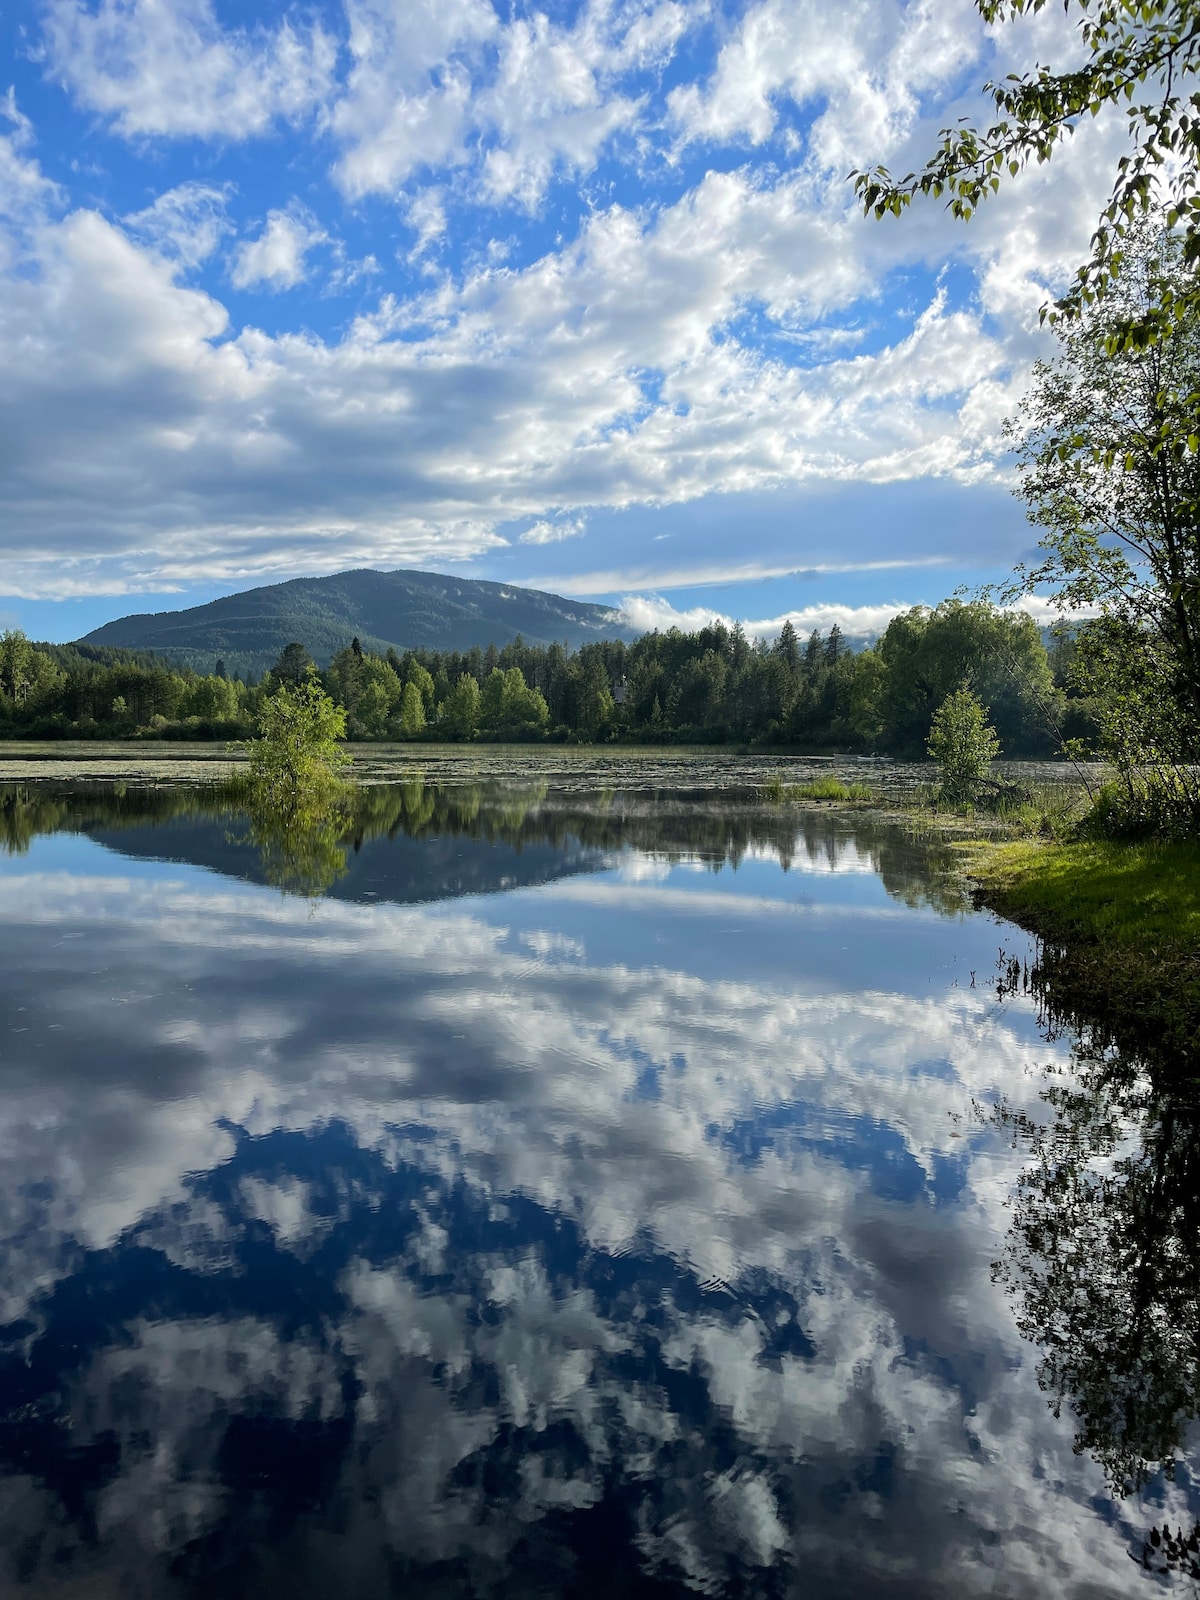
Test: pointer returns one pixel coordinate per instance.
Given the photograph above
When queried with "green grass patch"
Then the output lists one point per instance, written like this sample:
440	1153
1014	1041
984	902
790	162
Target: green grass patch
1137	895
777	791
1120	931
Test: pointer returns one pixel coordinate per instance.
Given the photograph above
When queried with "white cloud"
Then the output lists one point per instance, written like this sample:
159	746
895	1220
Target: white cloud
866	73
26	194
1045	612
345	272
276	257
598	375
646	612
172	70
665	352
427	216
251	453
187	222
553	104
725	571
22	128
543	99
554	532
407	97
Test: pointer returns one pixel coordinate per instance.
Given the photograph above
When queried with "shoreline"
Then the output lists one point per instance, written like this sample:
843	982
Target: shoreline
1118	926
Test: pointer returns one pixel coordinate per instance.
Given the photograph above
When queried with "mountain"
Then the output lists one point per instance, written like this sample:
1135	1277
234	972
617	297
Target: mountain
407	610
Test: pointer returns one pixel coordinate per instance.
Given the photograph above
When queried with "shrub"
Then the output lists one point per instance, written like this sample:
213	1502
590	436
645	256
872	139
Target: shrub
963	744
1148	805
296	752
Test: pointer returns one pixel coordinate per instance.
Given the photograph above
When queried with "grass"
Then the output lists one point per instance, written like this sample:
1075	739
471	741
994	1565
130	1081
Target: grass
1120	931
1042	810
776	791
1131	894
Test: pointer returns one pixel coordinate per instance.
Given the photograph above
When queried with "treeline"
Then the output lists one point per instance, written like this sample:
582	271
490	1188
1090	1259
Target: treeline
714	686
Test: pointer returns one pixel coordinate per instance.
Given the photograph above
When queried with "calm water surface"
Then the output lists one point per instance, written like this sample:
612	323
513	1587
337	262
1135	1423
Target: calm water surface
578	1201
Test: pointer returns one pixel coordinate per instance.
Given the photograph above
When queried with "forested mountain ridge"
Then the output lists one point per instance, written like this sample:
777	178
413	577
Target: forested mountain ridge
401	610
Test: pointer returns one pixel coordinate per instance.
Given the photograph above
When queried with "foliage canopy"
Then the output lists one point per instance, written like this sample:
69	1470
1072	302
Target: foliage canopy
712	686
1142	55
1111	474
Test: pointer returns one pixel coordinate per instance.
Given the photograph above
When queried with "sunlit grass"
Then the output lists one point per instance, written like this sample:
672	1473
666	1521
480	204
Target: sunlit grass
777	792
1048	810
1137	895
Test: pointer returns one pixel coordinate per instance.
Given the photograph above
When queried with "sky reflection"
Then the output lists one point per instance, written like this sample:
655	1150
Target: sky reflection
628	1231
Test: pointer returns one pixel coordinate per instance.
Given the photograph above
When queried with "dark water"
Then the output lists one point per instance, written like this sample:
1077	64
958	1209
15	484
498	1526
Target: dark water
591	1199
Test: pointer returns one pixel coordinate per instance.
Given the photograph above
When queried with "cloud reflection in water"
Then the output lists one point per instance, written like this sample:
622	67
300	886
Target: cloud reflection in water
517	1244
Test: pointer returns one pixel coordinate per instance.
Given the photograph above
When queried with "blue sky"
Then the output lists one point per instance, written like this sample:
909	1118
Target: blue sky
573	295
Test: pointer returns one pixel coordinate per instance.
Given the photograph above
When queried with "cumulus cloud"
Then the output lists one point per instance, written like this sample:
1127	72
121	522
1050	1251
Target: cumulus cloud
555	101
174	71
406	100
684	344
209	446
514	99
595	375
276	258
645	612
867	74
554	532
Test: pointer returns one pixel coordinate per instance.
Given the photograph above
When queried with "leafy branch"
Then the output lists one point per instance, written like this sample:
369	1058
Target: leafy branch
1132	44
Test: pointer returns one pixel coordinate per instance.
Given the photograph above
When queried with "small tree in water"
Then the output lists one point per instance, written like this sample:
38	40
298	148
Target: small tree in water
963	744
296	754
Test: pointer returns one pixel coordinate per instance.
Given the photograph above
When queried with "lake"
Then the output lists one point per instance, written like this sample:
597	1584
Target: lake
517	1192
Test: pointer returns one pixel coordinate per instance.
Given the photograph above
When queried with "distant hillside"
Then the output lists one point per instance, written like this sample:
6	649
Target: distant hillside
407	610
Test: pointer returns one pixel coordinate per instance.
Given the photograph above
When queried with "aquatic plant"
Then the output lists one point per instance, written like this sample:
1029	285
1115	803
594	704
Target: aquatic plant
776	792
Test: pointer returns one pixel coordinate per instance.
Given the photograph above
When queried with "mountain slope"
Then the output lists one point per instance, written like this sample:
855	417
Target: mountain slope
407	610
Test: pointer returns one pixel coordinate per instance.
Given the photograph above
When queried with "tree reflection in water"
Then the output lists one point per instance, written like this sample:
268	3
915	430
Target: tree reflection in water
1103	1253
306	850
300	845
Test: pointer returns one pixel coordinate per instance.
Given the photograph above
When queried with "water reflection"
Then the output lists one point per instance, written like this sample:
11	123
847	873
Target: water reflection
475	838
1105	1259
1103	1255
626	1230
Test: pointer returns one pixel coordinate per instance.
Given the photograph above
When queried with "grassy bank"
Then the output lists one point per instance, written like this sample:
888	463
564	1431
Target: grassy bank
1120	925
1145	896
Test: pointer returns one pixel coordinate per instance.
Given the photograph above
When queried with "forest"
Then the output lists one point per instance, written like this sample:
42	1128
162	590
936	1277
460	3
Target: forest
713	686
